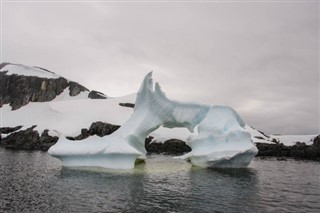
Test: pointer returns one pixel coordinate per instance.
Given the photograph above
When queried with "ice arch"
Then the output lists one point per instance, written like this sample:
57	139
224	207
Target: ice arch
221	140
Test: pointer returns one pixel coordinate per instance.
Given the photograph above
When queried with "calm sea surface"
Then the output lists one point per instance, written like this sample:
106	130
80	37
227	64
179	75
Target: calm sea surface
36	182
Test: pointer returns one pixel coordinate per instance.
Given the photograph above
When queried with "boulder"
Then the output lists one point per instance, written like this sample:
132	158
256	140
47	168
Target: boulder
96	95
172	146
97	128
101	129
46	141
75	88
130	105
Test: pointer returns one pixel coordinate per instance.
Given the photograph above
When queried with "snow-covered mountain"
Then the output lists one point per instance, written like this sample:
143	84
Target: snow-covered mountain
35	96
20	84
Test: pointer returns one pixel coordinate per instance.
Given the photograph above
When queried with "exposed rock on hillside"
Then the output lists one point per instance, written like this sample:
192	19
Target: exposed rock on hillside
97	128
299	151
19	90
29	139
130	105
172	146
97	95
75	88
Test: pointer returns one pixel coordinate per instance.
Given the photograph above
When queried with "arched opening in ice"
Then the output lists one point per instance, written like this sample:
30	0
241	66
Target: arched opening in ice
221	140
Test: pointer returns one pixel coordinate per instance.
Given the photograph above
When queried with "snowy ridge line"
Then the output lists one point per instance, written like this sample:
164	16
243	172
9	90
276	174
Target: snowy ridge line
20	69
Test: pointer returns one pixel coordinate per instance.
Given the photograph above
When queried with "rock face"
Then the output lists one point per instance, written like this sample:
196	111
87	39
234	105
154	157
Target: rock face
97	128
101	129
19	90
29	139
96	95
75	88
172	146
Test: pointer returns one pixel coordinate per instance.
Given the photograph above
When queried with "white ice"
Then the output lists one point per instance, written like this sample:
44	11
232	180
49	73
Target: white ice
221	140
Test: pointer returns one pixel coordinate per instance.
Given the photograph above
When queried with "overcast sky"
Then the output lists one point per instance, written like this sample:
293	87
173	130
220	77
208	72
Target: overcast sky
261	58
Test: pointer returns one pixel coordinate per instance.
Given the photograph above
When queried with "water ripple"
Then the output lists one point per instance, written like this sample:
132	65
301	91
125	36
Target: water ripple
36	182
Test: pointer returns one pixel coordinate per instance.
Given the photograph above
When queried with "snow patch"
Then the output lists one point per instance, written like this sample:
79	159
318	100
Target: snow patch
290	140
66	117
20	69
65	96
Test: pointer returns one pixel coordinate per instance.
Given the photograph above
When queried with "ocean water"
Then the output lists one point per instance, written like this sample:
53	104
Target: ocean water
36	182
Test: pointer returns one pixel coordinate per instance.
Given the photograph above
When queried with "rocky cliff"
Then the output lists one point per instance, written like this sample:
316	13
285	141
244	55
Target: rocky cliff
18	89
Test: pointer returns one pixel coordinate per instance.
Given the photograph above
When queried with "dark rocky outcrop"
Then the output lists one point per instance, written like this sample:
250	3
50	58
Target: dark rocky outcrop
18	90
298	151
101	129
46	141
316	141
172	146
7	130
75	88
83	135
29	139
130	105
97	128
96	95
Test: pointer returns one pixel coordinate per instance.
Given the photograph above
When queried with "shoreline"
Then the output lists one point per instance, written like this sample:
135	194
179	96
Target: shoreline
31	140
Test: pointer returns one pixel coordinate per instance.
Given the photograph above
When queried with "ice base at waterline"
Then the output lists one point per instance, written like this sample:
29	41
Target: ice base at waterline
221	140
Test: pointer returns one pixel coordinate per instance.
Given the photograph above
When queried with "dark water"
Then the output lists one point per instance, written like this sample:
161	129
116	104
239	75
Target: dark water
35	182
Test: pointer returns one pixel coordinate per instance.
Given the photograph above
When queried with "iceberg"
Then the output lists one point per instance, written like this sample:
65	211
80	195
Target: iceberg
221	140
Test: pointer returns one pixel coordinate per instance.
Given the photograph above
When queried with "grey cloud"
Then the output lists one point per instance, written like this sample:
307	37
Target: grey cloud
260	58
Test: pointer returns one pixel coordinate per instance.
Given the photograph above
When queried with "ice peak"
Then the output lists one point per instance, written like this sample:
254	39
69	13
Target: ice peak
221	142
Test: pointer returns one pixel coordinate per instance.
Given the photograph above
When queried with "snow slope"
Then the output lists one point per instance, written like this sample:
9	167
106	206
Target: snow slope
20	69
67	115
